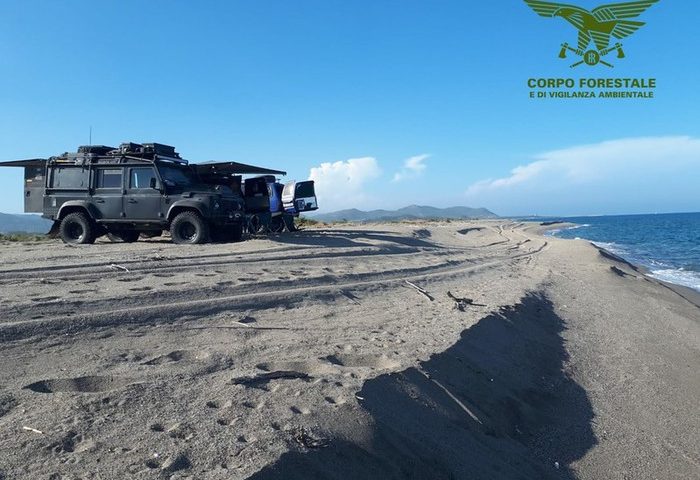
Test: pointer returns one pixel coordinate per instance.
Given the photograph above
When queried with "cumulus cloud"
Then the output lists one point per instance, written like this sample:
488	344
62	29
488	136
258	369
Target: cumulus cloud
412	168
621	166
341	184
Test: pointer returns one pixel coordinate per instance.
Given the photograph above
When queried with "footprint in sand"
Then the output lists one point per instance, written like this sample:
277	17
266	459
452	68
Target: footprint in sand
378	362
157	427
227	422
90	384
130	357
7	404
177	356
141	289
72	442
300	410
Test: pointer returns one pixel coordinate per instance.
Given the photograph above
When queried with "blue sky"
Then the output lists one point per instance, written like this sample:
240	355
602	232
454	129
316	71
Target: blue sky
384	102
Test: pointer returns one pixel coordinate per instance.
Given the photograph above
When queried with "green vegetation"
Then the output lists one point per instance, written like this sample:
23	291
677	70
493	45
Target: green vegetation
306	222
23	237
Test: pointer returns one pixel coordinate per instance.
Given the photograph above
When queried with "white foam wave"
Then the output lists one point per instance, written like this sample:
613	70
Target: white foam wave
611	247
555	231
679	276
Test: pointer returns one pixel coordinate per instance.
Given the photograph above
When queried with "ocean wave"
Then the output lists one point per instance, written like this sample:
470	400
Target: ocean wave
612	247
555	231
679	276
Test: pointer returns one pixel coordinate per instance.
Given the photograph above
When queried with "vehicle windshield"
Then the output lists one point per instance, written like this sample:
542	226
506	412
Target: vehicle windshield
177	176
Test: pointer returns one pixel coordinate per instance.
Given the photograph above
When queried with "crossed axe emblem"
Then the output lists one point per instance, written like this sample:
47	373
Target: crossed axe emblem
592	57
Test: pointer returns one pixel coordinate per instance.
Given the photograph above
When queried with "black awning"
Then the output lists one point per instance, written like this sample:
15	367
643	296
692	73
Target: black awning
233	168
31	162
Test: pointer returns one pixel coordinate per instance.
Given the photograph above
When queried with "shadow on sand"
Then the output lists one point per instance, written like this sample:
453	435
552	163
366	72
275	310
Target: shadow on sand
495	405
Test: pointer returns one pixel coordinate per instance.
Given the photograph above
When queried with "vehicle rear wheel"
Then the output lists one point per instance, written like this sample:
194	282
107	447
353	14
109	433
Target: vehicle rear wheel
189	228
255	225
277	224
77	228
126	236
237	232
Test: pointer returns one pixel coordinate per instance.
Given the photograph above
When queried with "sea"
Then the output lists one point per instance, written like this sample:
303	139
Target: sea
666	245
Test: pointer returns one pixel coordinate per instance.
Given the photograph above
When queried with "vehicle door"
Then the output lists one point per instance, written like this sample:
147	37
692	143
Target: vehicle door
305	196
143	200
257	195
108	193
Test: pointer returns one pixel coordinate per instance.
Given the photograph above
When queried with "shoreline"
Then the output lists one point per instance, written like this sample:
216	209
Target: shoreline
685	291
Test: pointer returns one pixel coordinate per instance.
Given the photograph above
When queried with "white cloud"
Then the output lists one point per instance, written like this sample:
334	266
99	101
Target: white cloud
412	168
341	184
589	163
643	174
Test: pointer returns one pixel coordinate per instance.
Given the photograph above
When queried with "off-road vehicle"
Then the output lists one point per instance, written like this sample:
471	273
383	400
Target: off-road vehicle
133	190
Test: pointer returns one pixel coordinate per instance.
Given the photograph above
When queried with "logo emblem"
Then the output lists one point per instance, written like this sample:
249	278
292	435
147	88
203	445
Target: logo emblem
597	26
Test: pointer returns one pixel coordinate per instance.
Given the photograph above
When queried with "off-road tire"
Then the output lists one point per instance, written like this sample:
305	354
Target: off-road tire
189	228
76	228
126	236
237	232
277	224
255	225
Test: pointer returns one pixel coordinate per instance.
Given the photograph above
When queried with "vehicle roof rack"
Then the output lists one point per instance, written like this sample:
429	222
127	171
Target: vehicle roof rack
96	149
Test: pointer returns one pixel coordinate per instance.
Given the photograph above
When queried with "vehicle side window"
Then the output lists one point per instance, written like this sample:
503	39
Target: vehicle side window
69	177
141	177
109	178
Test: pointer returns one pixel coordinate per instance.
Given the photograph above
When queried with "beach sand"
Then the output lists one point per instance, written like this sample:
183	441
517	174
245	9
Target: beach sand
509	355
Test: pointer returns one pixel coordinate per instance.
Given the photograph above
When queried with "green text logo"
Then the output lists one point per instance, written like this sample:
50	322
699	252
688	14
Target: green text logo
596	26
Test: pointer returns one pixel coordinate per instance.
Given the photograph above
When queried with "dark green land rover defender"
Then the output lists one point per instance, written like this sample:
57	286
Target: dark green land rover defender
133	190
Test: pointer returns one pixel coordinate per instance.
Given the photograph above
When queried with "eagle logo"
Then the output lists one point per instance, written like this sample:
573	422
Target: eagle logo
597	26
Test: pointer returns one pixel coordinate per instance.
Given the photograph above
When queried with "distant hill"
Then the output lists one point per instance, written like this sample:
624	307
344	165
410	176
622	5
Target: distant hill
412	212
10	223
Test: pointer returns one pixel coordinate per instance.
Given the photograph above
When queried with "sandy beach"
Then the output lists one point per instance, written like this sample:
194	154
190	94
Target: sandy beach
455	350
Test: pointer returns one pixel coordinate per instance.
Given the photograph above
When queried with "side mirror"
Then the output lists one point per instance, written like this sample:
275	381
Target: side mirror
153	183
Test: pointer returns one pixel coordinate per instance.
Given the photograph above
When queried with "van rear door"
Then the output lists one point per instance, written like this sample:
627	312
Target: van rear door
299	197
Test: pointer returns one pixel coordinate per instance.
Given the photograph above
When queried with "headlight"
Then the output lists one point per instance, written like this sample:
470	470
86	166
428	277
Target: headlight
216	205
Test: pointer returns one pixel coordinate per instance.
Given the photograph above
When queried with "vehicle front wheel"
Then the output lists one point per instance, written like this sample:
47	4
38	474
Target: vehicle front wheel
126	236
189	228
77	228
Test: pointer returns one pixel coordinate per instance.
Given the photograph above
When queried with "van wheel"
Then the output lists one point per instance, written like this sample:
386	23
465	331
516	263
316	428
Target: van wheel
189	228
76	228
126	236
